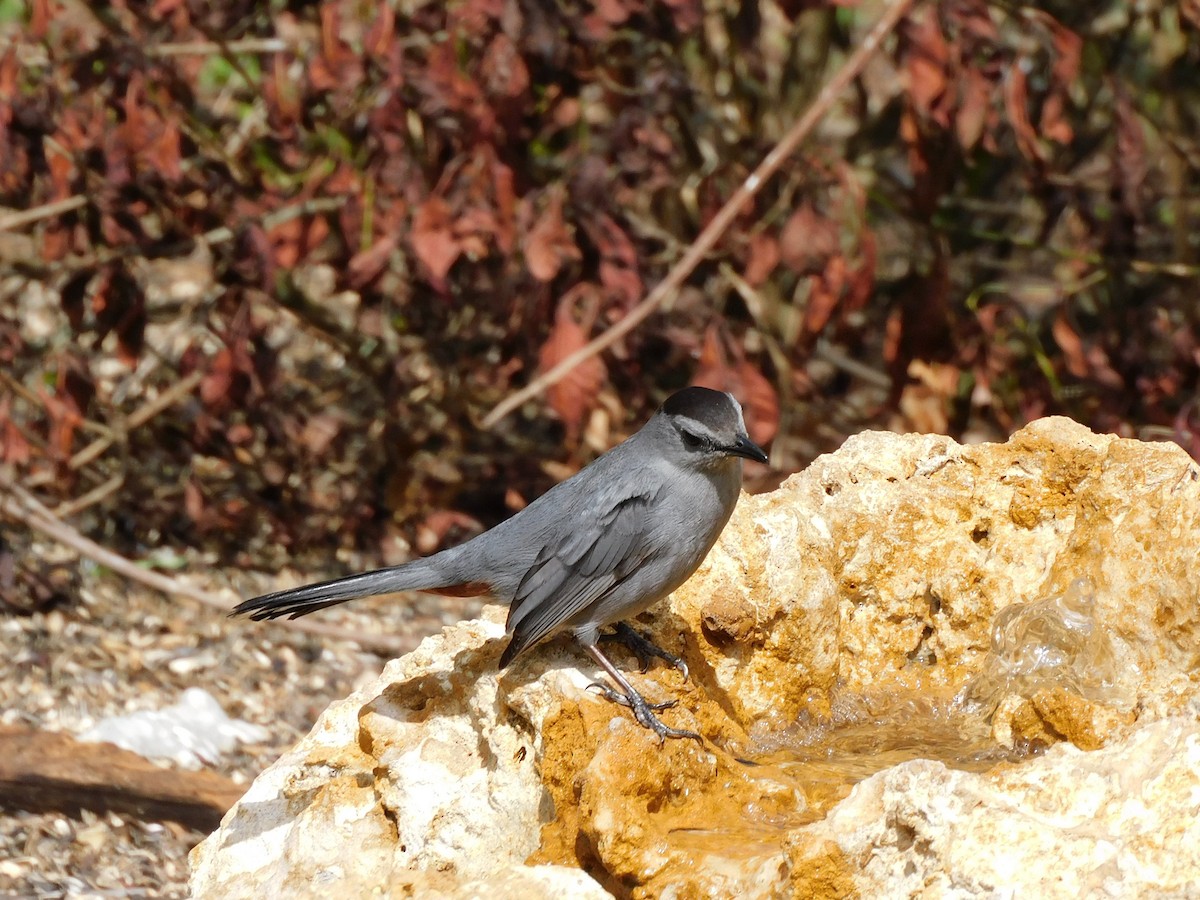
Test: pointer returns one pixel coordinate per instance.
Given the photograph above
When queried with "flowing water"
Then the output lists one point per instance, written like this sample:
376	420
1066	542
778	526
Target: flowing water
1053	642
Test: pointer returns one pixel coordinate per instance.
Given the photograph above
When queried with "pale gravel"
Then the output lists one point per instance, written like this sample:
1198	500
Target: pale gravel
118	647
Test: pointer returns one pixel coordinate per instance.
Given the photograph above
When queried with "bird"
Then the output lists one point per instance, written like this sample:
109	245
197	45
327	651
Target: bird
591	552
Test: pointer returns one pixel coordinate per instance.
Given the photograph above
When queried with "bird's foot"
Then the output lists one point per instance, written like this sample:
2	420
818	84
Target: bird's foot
615	696
644	648
643	712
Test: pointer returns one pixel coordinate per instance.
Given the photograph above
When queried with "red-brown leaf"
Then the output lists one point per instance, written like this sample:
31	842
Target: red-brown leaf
549	243
193	503
1071	345
503	69
1016	98
573	396
724	367
762	258
807	241
382	34
974	105
926	61
433	240
217	381
367	265
824	296
861	283
14	448
618	260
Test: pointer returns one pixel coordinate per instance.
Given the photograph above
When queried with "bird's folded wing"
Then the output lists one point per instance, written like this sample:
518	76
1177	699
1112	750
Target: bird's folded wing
570	575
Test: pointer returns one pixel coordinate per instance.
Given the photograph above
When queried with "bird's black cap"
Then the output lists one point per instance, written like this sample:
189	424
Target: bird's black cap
704	405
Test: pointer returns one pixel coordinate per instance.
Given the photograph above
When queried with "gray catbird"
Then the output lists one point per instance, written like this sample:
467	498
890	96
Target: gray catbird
592	551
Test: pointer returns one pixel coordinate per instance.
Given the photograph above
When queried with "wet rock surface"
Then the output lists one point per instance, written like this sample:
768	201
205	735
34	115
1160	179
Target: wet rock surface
917	666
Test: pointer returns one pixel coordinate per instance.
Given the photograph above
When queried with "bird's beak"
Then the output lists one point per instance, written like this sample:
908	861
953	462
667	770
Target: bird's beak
746	448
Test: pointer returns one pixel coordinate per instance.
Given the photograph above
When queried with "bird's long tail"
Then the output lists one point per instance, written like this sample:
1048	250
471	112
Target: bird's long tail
418	575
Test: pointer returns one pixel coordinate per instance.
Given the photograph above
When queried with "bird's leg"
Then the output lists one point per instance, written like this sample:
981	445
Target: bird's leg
644	648
643	711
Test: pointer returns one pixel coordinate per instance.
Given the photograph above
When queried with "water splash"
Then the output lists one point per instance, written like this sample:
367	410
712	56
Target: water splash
1055	642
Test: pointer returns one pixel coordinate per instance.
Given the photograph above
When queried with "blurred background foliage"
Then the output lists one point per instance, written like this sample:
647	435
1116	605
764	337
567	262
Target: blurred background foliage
264	266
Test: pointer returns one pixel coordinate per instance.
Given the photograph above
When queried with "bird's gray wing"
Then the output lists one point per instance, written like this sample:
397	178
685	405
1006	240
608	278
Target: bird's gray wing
577	569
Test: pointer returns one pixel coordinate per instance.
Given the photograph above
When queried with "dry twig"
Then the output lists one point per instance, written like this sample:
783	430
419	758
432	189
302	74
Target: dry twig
17	503
14	220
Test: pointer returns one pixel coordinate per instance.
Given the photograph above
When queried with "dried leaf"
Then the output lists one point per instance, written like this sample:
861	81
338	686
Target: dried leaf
762	258
618	260
432	531
723	367
164	155
445	88
807	241
974	107
861	283
926	60
14	448
194	504
1101	367
549	243
367	265
824	296
1068	56
615	12
432	238
505	196
119	307
573	396
1071	345
283	94
218	379
41	14
925	401
72	295
293	240
686	14
1016	99
320	430
381	36
503	70
74	390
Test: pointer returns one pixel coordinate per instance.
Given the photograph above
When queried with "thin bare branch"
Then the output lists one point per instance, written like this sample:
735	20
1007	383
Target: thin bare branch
850	70
212	48
280	216
19	504
96	495
14	220
137	418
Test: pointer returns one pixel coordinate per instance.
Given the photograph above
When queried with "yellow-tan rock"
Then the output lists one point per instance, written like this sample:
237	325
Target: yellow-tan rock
1048	584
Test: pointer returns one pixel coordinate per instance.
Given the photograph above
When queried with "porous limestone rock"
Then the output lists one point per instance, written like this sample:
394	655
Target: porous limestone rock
421	780
1116	822
875	577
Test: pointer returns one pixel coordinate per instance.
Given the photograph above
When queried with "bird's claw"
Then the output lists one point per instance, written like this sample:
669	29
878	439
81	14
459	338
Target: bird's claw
645	649
647	719
643	712
617	697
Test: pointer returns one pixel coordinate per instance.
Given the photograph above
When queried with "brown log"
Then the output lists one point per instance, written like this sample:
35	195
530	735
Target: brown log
43	771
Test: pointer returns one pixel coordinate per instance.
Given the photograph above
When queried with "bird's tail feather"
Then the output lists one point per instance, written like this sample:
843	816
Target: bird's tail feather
420	574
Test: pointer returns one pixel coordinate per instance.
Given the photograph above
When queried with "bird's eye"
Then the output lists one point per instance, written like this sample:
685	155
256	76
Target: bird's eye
691	441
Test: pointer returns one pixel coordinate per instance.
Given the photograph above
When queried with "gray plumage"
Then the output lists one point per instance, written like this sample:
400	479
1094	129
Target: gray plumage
592	551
